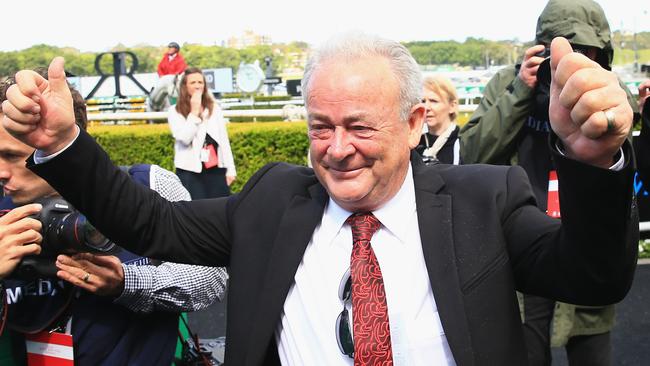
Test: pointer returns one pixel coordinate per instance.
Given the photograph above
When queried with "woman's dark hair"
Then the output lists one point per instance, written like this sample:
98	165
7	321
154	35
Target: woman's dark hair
183	104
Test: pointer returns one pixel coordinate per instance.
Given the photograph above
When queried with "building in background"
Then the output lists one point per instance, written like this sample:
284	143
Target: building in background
248	39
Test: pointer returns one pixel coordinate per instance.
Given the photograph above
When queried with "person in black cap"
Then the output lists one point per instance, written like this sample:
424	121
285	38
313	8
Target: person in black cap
172	62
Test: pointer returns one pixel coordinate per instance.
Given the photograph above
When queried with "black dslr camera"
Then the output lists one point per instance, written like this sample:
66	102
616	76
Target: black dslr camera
65	231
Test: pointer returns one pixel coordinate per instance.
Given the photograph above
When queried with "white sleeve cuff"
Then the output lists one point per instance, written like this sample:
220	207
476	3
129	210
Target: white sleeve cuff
40	158
616	167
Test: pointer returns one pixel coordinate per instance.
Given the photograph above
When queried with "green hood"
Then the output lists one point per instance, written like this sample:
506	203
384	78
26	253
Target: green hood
582	22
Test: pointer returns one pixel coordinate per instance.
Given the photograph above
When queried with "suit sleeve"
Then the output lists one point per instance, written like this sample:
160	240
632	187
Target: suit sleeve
643	145
134	216
490	135
587	258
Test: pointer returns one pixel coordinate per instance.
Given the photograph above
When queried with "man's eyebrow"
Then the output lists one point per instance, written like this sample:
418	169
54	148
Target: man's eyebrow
348	119
355	118
318	116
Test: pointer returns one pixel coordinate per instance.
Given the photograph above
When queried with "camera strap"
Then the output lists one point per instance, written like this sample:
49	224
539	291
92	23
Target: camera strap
3	310
432	151
191	346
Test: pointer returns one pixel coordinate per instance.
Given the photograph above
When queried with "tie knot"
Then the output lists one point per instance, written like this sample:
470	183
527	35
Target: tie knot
363	225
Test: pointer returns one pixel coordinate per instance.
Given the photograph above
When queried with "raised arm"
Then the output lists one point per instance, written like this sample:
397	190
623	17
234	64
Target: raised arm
39	113
588	110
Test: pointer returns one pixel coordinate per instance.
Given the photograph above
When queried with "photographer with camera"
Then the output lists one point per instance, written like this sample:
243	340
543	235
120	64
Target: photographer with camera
134	320
511	127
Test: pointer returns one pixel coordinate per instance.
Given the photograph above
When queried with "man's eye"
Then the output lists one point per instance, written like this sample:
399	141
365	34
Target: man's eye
319	127
359	128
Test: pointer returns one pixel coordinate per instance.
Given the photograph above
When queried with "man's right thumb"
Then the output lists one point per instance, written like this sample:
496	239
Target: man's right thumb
56	75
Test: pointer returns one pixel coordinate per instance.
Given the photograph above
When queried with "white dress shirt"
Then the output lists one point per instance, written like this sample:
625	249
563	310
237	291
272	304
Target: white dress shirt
306	334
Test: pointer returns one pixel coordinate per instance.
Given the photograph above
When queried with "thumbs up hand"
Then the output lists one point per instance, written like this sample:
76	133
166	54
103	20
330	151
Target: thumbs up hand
39	111
588	108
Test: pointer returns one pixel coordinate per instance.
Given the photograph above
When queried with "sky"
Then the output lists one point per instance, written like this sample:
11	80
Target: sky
96	26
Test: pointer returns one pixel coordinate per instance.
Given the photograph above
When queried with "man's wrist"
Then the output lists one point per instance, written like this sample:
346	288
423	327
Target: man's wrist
65	141
616	163
41	156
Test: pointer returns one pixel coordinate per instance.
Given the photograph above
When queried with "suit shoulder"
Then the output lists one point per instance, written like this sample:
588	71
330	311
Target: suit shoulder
474	171
483	184
289	171
479	177
281	177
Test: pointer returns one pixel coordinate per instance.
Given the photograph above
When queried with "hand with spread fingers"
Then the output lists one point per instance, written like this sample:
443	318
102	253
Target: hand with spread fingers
100	274
588	108
39	111
19	236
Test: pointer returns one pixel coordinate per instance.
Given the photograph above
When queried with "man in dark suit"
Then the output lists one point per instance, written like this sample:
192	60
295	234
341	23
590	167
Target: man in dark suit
450	244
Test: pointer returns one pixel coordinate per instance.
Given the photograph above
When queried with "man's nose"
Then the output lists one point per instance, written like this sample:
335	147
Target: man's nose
340	147
5	172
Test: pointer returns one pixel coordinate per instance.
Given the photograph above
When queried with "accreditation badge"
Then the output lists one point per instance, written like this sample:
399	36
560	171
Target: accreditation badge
553	200
49	349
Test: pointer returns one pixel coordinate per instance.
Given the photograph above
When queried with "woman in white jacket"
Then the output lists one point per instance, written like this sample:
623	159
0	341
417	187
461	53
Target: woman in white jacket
202	154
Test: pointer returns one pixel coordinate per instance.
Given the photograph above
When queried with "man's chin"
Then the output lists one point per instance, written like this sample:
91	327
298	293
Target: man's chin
350	199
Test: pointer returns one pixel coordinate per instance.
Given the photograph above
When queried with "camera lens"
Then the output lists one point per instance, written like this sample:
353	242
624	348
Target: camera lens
67	231
91	237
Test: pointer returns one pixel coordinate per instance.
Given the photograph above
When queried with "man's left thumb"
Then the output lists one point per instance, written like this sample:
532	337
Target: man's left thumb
56	75
560	47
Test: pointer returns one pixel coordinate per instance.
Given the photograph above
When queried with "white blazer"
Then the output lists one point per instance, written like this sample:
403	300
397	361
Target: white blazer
189	134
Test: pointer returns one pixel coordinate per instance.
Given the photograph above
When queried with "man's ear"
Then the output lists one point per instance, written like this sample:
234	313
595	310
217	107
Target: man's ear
415	121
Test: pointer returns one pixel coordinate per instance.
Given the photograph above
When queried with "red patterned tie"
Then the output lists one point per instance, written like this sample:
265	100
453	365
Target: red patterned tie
369	311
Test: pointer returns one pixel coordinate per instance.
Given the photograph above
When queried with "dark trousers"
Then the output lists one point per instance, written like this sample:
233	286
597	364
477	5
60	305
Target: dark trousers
210	183
581	350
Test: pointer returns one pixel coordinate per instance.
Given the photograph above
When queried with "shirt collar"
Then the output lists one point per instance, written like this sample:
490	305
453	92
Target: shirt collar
391	215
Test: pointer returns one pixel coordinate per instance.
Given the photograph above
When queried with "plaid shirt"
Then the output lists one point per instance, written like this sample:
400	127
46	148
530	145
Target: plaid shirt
170	286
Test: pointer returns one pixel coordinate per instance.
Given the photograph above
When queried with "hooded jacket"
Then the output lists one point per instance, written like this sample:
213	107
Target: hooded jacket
581	22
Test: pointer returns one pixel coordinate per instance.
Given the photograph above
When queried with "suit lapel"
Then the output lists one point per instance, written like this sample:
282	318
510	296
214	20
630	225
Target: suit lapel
296	228
434	220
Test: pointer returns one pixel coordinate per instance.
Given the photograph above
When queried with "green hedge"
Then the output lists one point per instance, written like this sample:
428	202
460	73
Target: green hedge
253	145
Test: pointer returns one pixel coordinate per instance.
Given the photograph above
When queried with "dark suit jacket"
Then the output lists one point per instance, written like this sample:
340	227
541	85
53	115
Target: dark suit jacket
482	238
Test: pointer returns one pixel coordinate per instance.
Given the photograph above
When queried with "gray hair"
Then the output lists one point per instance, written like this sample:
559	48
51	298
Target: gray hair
356	45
